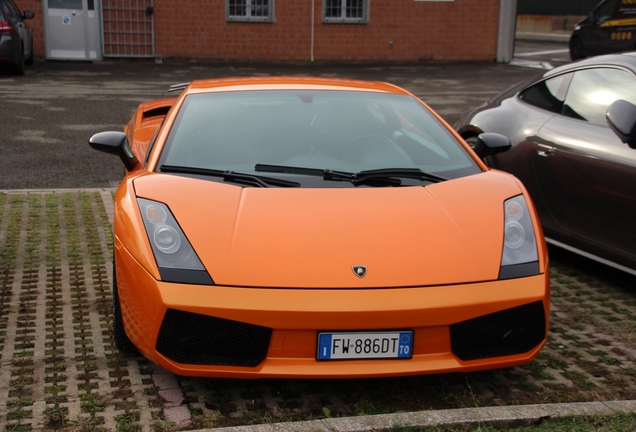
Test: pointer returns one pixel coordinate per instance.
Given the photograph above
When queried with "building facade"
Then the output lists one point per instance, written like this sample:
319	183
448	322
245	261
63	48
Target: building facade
288	31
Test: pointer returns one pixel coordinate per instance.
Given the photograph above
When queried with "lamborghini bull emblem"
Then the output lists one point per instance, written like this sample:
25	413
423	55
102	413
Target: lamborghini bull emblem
360	270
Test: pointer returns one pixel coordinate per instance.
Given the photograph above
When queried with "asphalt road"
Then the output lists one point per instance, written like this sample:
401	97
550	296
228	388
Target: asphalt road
49	113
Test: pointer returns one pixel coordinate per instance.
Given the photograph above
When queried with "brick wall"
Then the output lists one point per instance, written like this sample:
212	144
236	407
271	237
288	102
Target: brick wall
398	31
420	31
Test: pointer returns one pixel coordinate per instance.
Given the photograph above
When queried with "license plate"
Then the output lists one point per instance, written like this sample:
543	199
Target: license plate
365	345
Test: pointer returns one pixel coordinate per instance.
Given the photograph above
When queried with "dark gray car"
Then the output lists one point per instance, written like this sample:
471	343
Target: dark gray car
16	39
580	174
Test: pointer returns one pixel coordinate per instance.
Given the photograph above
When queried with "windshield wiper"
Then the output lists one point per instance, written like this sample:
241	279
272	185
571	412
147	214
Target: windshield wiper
383	175
412	173
230	176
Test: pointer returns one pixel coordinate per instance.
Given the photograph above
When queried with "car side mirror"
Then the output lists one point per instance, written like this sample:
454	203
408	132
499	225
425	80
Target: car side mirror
28	15
621	118
489	144
115	143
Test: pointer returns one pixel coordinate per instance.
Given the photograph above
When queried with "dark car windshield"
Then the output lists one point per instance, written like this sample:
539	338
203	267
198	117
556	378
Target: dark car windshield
334	130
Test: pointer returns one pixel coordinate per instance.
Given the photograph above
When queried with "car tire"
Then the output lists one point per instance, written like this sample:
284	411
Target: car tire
471	141
18	68
122	342
29	60
577	51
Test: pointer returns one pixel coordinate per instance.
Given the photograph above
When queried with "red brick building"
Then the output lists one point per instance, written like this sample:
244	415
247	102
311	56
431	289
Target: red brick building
288	31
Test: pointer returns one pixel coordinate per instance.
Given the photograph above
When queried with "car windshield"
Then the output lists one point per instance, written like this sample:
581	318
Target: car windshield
345	131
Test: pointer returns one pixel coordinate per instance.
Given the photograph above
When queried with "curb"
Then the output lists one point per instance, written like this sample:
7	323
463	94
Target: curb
522	415
545	37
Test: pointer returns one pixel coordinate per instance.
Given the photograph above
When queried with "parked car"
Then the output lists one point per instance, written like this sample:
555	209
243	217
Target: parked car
579	170
609	28
16	39
306	227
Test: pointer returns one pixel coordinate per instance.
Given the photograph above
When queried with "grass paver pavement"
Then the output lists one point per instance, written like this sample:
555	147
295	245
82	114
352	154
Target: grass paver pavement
60	370
59	365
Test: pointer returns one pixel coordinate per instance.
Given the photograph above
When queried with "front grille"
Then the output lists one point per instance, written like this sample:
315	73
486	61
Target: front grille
191	338
512	331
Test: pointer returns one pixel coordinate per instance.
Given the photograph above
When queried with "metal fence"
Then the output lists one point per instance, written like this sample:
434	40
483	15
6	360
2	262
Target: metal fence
127	28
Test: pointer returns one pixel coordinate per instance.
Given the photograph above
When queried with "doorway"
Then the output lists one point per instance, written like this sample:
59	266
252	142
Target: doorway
72	29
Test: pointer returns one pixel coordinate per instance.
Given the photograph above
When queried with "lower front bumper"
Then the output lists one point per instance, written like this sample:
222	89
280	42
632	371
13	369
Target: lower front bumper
293	317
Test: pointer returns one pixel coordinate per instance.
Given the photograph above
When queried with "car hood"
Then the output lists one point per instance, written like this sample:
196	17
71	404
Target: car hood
444	233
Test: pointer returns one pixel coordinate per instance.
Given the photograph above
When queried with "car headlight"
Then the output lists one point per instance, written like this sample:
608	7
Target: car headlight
520	256
176	259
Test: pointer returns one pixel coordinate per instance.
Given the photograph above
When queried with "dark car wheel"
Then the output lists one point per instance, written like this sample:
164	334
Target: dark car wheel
122	342
29	60
576	49
471	141
18	68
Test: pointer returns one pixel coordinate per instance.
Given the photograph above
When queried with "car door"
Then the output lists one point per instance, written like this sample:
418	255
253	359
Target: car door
586	175
520	119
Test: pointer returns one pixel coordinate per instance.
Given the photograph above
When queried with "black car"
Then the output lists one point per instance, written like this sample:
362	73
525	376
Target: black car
16	39
579	167
609	28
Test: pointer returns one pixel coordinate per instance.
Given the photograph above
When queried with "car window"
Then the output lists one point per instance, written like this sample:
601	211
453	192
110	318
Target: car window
15	10
605	11
338	130
7	10
592	91
548	94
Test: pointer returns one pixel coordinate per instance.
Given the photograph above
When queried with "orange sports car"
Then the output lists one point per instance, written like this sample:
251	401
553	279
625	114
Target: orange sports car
307	227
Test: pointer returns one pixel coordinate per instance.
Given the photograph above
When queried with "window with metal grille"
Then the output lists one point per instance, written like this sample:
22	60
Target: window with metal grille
347	11
250	10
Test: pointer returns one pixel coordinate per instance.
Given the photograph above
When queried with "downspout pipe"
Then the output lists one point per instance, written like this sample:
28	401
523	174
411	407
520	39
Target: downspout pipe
506	33
311	54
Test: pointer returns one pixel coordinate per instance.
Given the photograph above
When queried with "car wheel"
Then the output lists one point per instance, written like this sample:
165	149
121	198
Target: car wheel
18	68
29	60
122	342
576	49
471	141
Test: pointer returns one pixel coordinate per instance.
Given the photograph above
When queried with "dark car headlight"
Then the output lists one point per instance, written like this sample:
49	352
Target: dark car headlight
176	259
520	256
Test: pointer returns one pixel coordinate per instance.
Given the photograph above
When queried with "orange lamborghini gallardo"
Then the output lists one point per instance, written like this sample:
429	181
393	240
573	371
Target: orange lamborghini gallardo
307	227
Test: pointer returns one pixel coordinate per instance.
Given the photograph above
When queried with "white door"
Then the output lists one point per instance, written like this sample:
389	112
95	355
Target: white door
72	29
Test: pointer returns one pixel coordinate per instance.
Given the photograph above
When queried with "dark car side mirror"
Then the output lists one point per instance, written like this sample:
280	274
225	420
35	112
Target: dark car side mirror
489	144
28	15
621	118
115	143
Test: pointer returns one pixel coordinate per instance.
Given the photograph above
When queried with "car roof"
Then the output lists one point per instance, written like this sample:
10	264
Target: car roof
626	60
290	83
